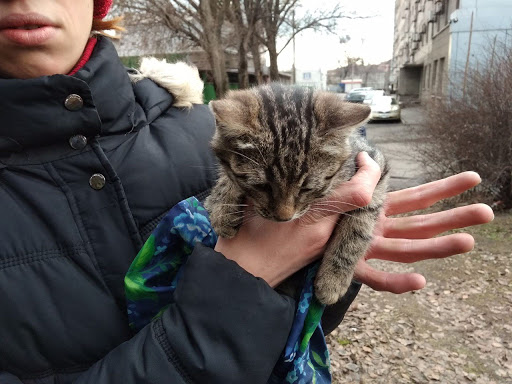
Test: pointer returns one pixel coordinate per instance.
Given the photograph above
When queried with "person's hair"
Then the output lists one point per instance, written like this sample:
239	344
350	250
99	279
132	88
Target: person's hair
102	27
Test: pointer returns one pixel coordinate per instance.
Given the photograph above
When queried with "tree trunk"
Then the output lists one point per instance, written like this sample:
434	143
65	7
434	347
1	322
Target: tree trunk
212	44
218	64
243	72
272	51
242	32
256	58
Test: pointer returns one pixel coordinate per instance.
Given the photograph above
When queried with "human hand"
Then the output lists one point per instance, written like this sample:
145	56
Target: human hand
410	239
275	250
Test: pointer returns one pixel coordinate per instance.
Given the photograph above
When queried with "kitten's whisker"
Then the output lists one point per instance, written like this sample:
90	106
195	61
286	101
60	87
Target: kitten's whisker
336	203
233	213
306	220
337	212
261	154
334	211
312	221
247	157
235	205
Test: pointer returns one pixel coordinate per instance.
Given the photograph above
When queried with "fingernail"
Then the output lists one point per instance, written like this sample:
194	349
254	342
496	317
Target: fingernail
476	173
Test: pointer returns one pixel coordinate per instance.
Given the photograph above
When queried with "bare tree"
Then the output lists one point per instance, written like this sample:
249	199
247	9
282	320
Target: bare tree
245	25
199	21
254	44
278	20
245	16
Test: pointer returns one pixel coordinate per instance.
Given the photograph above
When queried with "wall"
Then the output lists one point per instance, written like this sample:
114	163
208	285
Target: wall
315	79
492	27
422	40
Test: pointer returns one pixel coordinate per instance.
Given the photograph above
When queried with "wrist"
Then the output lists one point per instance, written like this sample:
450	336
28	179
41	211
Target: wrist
251	261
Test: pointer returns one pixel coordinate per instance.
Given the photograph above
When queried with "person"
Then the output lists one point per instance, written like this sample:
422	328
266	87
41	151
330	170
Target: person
89	163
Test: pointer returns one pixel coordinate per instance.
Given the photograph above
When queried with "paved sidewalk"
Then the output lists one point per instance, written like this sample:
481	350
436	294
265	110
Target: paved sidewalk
414	115
398	142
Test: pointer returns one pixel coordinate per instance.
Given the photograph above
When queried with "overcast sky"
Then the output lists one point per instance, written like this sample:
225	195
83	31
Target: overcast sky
371	38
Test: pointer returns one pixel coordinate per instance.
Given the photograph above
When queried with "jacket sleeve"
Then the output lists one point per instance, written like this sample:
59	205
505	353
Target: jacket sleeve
334	314
8	378
225	326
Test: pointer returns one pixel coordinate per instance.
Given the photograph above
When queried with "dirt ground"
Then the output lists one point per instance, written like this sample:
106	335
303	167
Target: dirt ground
458	329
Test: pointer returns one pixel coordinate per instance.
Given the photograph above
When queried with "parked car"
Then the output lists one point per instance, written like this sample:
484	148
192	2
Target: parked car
355	97
385	108
364	89
371	94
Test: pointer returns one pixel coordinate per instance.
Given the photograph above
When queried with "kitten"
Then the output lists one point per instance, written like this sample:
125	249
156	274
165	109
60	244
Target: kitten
285	148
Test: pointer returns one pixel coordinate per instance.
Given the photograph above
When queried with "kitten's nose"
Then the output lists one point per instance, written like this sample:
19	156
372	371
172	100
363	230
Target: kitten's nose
284	212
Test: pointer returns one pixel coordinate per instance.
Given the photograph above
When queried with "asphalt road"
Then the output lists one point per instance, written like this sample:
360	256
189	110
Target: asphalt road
398	142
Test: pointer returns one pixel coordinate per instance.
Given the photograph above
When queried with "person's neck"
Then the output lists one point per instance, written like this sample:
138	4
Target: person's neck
85	56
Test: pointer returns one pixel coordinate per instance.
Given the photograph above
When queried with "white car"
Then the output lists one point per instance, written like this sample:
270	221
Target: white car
371	94
385	108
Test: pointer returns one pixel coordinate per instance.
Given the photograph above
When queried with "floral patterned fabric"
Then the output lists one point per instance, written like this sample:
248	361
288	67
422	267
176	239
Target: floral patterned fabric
155	273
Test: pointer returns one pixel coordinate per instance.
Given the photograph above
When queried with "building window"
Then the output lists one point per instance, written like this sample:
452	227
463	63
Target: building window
306	76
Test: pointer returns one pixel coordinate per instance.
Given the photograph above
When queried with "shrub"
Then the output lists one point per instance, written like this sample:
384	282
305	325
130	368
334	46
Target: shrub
472	128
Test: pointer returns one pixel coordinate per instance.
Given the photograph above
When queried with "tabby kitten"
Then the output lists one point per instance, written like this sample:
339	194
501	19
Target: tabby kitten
285	148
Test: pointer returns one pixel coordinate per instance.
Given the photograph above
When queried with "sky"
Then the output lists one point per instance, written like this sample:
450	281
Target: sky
371	38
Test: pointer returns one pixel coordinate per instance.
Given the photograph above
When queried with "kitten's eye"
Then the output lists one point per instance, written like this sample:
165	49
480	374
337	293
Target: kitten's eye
241	176
306	189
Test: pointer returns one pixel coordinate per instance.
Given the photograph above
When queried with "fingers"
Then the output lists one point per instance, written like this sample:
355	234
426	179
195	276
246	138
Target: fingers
426	226
353	194
410	251
425	195
407	251
389	282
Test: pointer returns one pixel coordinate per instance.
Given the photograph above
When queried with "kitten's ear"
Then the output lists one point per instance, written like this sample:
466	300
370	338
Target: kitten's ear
237	113
333	113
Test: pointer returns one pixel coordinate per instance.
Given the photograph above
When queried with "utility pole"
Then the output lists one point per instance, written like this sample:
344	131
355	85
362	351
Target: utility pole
467	58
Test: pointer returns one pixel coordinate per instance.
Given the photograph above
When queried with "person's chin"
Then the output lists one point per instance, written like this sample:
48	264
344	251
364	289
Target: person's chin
34	64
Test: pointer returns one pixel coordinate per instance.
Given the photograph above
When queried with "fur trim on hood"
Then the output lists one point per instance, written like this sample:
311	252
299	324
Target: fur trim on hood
180	79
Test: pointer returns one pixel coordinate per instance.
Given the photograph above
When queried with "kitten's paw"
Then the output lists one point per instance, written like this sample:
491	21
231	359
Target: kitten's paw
329	288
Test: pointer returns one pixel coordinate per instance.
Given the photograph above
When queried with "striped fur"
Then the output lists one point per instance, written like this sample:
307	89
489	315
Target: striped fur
285	148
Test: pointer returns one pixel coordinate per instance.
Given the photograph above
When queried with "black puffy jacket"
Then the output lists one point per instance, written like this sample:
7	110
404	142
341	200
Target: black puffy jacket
82	185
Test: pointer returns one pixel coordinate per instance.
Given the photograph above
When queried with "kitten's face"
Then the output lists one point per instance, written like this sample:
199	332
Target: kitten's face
276	145
281	183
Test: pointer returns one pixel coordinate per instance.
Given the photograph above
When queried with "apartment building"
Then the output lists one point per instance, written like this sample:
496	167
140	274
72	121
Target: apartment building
436	40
